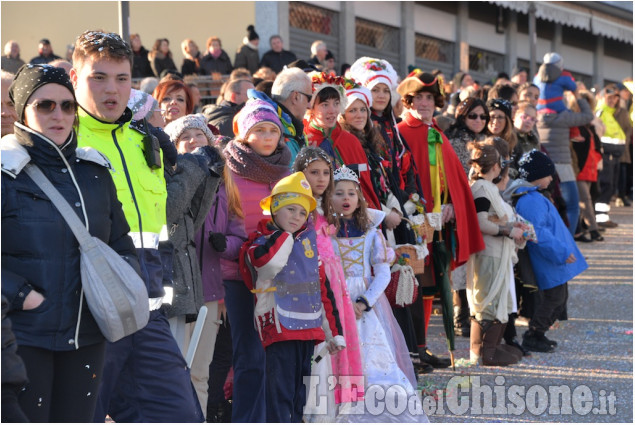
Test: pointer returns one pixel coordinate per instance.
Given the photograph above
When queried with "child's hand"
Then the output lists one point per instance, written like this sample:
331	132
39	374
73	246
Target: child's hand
571	259
359	310
517	234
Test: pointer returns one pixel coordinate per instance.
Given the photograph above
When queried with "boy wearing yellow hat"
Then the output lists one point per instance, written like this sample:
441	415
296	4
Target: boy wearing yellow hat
295	308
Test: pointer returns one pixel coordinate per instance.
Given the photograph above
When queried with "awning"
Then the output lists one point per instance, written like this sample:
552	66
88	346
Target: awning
610	29
574	17
563	15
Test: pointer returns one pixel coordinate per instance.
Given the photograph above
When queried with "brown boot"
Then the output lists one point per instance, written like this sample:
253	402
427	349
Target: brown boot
518	354
492	355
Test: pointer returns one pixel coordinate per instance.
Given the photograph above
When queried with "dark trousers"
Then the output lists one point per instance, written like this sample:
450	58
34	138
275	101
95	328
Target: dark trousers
609	176
625	185
288	362
248	355
62	385
550	306
146	378
403	315
219	368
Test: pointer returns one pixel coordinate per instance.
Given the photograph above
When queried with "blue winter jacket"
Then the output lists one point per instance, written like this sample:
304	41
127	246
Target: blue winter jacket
548	256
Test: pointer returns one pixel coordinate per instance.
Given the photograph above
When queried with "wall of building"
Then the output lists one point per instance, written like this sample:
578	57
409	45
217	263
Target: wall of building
28	22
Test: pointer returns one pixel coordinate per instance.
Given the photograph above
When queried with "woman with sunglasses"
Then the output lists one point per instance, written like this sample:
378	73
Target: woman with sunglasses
58	338
470	126
471	122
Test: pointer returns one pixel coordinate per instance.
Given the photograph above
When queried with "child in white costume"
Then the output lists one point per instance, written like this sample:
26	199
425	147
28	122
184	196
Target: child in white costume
366	261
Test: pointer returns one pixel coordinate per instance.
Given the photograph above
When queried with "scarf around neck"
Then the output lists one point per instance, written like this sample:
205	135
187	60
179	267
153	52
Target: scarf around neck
246	163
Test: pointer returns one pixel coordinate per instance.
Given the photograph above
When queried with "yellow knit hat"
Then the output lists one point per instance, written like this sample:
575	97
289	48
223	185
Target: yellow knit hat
293	189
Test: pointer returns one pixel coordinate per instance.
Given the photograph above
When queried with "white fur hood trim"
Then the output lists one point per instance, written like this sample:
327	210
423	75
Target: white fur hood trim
15	156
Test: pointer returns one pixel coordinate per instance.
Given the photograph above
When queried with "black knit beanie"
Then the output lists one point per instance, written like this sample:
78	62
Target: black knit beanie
252	34
535	165
500	104
29	78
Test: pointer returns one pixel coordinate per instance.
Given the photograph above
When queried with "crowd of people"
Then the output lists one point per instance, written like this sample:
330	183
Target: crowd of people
290	209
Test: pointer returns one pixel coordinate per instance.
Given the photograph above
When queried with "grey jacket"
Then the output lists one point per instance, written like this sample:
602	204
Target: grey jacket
554	130
191	190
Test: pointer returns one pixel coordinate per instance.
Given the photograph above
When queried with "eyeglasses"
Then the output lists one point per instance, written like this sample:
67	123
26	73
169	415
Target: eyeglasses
308	96
528	118
46	107
497	117
483	117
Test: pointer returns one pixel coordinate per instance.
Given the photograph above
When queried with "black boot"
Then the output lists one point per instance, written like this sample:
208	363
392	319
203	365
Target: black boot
461	313
535	341
596	236
436	362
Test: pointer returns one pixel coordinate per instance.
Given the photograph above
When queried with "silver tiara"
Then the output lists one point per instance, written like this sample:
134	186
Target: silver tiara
345	173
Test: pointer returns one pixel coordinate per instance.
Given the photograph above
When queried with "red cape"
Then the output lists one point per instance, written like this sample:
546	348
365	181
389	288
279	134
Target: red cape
352	152
468	233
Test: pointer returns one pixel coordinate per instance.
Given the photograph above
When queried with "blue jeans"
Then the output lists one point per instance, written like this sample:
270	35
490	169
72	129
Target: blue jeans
248	355
571	198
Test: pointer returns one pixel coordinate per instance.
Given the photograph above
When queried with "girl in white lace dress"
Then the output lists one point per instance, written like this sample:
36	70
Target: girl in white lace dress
366	260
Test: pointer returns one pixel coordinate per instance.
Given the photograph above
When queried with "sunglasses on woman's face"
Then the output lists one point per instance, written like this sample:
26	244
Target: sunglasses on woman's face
69	107
483	117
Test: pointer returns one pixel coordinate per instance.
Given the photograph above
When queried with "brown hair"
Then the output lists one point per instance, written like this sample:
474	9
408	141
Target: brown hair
168	86
212	39
484	157
360	215
101	45
157	45
524	105
369	137
439	100
305	157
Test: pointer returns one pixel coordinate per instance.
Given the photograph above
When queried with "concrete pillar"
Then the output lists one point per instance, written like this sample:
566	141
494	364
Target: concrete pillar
268	20
598	62
347	33
511	40
556	42
532	40
406	37
462	47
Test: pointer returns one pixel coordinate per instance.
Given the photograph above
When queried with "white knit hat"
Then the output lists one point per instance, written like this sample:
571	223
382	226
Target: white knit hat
361	93
371	71
198	121
553	58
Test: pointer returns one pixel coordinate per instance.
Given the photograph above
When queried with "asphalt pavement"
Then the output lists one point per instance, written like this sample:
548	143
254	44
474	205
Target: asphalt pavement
589	378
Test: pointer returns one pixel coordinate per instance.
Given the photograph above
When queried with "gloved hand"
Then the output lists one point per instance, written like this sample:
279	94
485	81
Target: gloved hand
218	241
211	158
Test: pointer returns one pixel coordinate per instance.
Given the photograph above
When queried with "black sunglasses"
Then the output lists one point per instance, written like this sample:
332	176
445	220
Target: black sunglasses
69	107
308	96
475	116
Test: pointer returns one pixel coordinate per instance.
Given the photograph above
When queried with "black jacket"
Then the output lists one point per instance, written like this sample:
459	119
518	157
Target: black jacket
141	65
246	57
222	116
222	65
191	67
277	60
160	63
41	60
39	251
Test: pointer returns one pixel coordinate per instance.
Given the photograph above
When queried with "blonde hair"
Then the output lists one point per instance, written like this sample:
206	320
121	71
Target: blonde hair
233	196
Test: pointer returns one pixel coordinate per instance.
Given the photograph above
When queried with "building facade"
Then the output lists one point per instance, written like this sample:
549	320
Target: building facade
482	37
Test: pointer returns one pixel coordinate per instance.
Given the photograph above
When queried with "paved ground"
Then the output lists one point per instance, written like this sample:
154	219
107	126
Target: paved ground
594	358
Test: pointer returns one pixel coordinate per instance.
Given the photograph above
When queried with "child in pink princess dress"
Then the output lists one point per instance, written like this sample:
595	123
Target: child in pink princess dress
337	377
